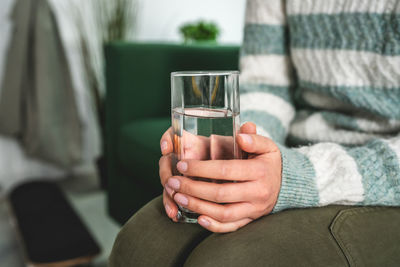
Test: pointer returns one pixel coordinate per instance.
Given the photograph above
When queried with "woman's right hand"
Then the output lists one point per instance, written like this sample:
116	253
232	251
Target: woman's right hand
196	147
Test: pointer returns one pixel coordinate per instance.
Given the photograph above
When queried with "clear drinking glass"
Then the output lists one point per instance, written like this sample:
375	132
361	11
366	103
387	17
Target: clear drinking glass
205	120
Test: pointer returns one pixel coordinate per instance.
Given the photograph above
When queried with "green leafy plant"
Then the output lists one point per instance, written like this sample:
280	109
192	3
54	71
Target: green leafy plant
116	18
199	31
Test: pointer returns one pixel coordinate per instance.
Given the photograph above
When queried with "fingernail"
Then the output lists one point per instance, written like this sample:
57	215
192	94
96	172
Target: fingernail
174	183
164	145
167	209
181	199
204	222
246	138
169	190
182	166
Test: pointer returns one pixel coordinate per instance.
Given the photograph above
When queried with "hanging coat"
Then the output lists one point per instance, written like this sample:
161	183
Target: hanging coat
37	101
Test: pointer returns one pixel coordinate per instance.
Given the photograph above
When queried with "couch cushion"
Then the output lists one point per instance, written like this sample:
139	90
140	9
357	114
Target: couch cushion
139	148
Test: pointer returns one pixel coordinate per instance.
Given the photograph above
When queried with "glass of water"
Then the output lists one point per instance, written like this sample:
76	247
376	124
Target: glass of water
205	120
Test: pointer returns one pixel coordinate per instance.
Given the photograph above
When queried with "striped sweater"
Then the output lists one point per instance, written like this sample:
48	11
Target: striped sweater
322	79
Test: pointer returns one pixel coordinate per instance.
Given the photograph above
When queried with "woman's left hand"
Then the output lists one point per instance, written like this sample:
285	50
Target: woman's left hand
225	207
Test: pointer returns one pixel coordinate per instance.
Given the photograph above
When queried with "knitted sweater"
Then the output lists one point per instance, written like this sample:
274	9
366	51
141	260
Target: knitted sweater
322	79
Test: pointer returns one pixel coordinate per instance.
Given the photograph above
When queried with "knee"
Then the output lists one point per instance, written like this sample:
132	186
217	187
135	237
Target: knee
286	239
130	241
123	245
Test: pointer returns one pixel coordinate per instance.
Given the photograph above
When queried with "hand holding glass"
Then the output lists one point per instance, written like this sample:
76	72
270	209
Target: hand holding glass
205	120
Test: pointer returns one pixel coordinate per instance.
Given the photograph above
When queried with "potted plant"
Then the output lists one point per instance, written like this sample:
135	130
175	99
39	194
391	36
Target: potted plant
199	32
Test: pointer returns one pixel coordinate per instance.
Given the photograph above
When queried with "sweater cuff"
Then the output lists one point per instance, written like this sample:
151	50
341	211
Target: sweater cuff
298	188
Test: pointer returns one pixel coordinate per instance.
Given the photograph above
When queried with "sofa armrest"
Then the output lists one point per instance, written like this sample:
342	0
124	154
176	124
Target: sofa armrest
138	75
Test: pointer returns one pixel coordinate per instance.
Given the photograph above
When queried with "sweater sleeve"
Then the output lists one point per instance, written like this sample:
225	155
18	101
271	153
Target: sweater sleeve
266	70
328	173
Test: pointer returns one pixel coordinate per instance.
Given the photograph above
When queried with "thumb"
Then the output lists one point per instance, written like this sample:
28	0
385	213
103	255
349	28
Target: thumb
248	128
256	144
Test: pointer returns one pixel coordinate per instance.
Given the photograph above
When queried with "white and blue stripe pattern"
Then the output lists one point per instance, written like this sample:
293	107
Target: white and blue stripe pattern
327	73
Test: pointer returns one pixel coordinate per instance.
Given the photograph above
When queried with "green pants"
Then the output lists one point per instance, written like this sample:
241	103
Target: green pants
329	236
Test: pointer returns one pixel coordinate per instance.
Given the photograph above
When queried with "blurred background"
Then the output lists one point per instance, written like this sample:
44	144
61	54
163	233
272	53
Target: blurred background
84	86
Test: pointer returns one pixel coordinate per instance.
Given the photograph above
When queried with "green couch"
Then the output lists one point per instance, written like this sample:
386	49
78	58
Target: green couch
138	112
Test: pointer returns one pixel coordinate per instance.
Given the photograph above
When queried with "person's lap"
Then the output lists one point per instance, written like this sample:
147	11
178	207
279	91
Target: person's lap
150	238
329	236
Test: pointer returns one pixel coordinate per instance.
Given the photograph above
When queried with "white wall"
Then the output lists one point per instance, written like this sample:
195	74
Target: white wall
159	20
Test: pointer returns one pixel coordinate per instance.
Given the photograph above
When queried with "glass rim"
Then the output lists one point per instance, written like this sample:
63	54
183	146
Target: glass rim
204	73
